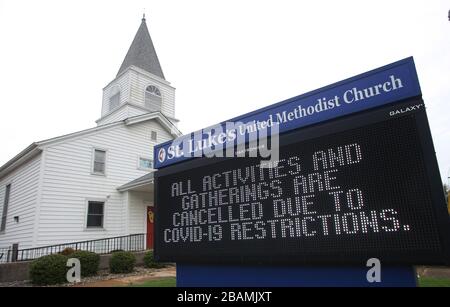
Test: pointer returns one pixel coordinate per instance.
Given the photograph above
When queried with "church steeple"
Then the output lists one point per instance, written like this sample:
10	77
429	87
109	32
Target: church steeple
142	53
140	86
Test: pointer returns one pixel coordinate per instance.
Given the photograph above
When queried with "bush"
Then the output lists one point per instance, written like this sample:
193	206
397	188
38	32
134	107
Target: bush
49	270
89	262
115	251
122	262
149	261
67	251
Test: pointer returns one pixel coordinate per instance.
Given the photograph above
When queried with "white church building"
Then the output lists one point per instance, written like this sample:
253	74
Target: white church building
96	183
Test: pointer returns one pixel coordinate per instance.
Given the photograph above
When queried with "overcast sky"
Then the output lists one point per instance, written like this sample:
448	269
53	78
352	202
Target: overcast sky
225	58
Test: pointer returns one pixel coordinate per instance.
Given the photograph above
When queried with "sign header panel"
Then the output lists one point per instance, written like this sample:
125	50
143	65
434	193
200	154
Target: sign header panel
385	85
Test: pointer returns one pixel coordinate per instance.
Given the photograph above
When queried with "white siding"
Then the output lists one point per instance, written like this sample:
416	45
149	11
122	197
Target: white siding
120	114
132	85
124	112
137	202
68	182
139	80
22	203
133	111
123	82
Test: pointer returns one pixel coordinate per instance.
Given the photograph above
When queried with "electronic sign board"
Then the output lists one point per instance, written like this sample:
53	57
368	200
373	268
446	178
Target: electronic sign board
342	191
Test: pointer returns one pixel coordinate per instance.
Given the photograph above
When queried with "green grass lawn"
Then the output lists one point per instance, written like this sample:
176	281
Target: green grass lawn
171	282
434	282
160	282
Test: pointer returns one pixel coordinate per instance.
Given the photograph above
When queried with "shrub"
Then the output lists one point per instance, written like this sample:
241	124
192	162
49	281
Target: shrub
122	262
67	251
115	251
149	261
49	270
89	262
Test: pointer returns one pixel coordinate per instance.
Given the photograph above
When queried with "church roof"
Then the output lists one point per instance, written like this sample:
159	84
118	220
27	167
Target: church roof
146	179
36	147
142	53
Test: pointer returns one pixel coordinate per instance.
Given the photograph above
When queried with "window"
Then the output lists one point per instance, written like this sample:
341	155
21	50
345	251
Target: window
114	97
114	101
95	214
153	98
145	163
5	207
154	136
99	162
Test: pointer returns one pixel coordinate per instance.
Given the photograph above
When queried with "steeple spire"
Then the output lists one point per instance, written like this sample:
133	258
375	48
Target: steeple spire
142	53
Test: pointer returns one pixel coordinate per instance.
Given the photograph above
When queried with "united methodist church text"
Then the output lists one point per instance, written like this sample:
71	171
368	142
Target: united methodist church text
217	136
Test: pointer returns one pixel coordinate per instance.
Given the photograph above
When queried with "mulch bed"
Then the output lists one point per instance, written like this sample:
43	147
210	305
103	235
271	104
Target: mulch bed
103	276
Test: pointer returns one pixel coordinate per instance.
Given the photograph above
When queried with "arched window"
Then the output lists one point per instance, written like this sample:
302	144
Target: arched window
153	98
114	98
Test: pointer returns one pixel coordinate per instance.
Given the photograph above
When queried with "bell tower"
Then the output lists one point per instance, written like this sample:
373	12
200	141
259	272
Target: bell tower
140	85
